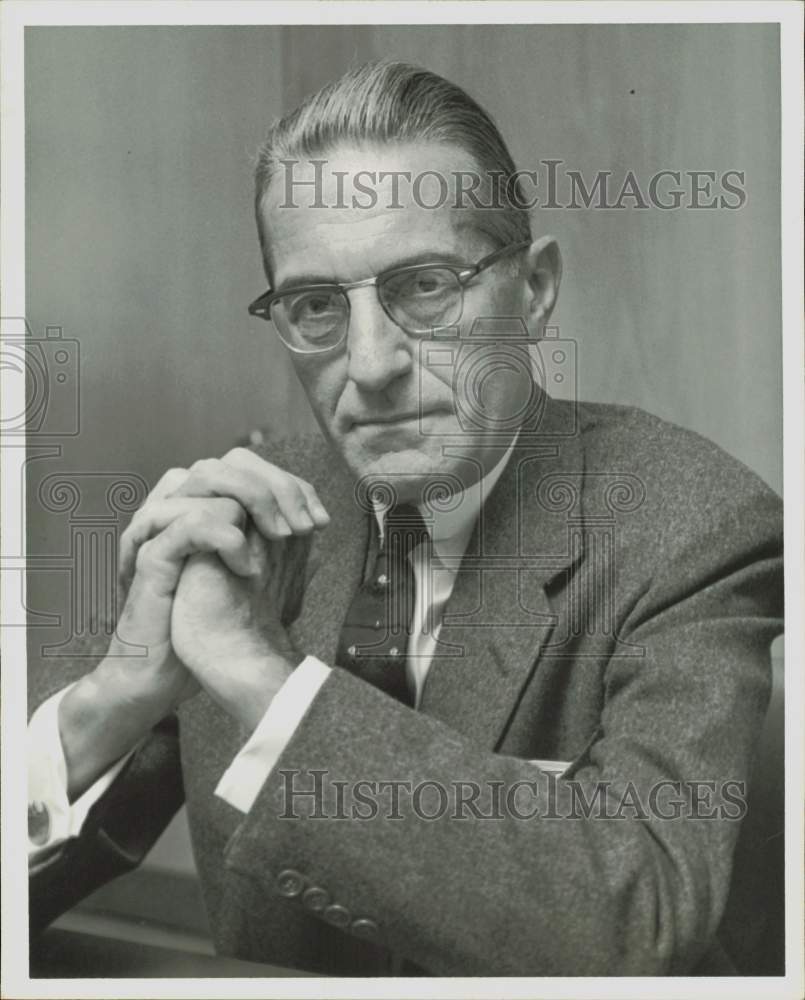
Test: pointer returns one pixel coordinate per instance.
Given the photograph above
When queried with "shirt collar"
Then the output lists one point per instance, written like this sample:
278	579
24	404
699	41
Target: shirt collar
450	529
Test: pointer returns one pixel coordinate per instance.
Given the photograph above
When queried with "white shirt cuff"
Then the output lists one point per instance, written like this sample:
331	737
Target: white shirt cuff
245	776
54	819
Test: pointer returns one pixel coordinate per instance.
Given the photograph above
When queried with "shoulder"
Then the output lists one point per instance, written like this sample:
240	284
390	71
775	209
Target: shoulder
692	488
665	453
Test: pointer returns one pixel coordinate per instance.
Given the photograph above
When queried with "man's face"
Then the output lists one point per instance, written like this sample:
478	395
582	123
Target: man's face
389	415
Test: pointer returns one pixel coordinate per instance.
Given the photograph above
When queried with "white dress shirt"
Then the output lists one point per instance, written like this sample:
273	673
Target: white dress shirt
450	532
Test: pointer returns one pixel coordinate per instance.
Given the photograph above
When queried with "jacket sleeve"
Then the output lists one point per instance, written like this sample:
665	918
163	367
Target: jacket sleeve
120	829
125	822
634	885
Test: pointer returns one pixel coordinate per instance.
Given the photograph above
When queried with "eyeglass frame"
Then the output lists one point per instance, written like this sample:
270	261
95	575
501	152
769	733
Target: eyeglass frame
261	307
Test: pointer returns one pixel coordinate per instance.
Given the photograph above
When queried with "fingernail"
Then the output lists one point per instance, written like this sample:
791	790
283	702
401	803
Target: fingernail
281	526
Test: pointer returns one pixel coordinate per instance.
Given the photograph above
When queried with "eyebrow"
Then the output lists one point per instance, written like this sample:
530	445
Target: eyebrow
422	257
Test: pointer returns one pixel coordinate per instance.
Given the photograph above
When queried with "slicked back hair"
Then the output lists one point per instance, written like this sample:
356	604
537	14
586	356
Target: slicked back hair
387	103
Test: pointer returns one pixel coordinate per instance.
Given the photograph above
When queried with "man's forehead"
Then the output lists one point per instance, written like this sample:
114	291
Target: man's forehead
349	246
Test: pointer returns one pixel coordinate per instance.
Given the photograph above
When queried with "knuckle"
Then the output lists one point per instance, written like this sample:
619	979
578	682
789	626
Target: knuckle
268	504
145	556
303	484
171	480
230	510
138	517
294	496
198	517
133	529
284	483
126	550
204	467
239	454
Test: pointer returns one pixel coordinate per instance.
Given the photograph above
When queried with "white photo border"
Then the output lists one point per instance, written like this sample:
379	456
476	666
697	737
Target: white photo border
18	14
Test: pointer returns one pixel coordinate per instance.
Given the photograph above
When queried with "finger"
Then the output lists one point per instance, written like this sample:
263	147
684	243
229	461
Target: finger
160	560
156	515
284	567
295	578
210	477
251	463
167	482
320	516
271	496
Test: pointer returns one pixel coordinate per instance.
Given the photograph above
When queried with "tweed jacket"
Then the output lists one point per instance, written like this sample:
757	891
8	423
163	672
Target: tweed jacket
613	612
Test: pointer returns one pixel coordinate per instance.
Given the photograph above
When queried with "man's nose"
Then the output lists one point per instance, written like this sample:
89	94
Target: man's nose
378	350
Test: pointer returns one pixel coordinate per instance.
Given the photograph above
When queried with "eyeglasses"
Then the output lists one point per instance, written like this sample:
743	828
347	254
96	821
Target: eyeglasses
419	298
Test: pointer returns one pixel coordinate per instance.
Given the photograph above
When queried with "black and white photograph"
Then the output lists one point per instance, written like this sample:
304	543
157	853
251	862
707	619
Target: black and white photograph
402	424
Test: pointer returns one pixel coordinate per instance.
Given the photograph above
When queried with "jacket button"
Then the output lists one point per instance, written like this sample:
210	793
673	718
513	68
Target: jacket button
315	898
290	883
337	915
364	928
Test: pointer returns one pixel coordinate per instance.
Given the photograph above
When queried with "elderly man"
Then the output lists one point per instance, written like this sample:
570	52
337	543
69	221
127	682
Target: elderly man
470	687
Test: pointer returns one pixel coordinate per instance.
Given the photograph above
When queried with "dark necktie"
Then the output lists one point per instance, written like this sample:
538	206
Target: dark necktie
374	637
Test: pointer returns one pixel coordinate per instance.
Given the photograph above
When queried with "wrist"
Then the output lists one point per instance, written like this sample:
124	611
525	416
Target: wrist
99	722
252	682
126	683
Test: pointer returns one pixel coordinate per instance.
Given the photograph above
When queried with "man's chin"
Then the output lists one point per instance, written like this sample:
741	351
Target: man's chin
405	472
405	476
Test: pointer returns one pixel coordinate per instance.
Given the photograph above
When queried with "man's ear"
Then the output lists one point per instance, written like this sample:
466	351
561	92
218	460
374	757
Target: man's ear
543	273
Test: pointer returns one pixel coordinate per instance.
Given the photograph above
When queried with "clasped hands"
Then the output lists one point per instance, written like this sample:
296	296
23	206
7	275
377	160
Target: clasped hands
213	568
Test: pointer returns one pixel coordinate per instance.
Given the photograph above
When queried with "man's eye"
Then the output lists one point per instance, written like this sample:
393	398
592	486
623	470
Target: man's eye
313	307
426	284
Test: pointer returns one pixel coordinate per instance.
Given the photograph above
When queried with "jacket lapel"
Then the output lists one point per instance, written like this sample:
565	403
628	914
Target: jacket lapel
499	616
340	555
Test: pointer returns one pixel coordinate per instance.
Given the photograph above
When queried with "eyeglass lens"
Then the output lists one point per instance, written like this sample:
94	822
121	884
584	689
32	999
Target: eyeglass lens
418	301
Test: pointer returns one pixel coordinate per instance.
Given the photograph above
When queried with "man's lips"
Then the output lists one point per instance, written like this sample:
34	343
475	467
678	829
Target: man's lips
392	419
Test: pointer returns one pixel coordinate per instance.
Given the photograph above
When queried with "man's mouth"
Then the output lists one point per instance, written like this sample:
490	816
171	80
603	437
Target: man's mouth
396	419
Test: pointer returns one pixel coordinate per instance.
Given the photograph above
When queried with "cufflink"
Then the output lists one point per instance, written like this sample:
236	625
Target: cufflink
38	823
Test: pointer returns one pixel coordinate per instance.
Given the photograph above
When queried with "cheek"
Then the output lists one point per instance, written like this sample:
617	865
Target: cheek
323	383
